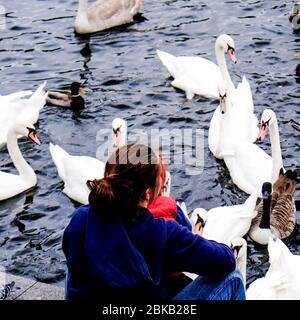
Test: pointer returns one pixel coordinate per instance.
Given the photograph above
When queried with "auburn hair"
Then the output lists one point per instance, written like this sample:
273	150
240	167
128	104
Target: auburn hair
129	172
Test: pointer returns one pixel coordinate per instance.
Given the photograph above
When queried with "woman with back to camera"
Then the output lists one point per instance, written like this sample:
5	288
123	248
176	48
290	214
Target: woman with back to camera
116	249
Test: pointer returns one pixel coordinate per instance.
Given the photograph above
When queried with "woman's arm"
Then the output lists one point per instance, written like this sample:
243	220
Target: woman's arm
192	253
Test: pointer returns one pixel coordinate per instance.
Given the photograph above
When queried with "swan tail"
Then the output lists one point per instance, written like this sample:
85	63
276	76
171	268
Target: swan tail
58	155
38	99
169	61
137	6
245	90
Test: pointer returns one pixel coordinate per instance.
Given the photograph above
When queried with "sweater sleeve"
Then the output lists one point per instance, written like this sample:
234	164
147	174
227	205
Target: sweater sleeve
74	241
192	253
182	219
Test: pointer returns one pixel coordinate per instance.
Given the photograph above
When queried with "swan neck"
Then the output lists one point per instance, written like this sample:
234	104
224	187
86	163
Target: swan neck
225	129
265	219
220	55
82	7
20	163
276	150
123	139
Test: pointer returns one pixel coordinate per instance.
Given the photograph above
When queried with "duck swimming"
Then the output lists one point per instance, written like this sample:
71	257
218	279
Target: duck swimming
72	99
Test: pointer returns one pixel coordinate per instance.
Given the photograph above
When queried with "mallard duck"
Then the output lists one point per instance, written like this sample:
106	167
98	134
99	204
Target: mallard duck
276	214
71	99
104	14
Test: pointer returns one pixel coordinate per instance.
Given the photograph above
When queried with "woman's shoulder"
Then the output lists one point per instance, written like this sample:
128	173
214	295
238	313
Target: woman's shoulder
79	218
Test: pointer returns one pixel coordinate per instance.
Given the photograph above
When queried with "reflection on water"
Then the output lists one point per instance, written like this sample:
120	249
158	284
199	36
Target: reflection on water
124	78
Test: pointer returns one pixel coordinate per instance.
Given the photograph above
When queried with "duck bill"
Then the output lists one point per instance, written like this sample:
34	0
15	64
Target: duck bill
32	136
232	55
82	91
223	105
262	133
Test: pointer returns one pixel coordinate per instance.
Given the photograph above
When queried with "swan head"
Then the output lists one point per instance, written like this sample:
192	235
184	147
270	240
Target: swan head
199	215
223	89
268	118
239	247
119	132
27	130
226	43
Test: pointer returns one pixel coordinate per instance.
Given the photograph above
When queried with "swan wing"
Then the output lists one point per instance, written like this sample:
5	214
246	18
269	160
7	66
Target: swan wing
245	120
194	75
214	134
227	223
250	167
108	14
75	171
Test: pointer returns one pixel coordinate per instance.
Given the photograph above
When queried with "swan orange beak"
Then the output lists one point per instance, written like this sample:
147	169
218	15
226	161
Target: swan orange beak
33	137
262	133
232	55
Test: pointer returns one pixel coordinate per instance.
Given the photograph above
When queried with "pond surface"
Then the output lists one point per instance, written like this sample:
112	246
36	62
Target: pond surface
124	78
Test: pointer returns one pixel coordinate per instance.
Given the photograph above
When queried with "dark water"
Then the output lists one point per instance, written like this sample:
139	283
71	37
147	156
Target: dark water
124	78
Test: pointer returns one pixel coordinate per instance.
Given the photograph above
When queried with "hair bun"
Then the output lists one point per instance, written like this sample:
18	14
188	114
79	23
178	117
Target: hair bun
111	194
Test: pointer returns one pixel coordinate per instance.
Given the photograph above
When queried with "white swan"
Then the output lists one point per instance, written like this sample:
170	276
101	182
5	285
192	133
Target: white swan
269	122
239	101
14	96
12	184
105	14
249	166
282	281
223	224
21	110
75	171
196	75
